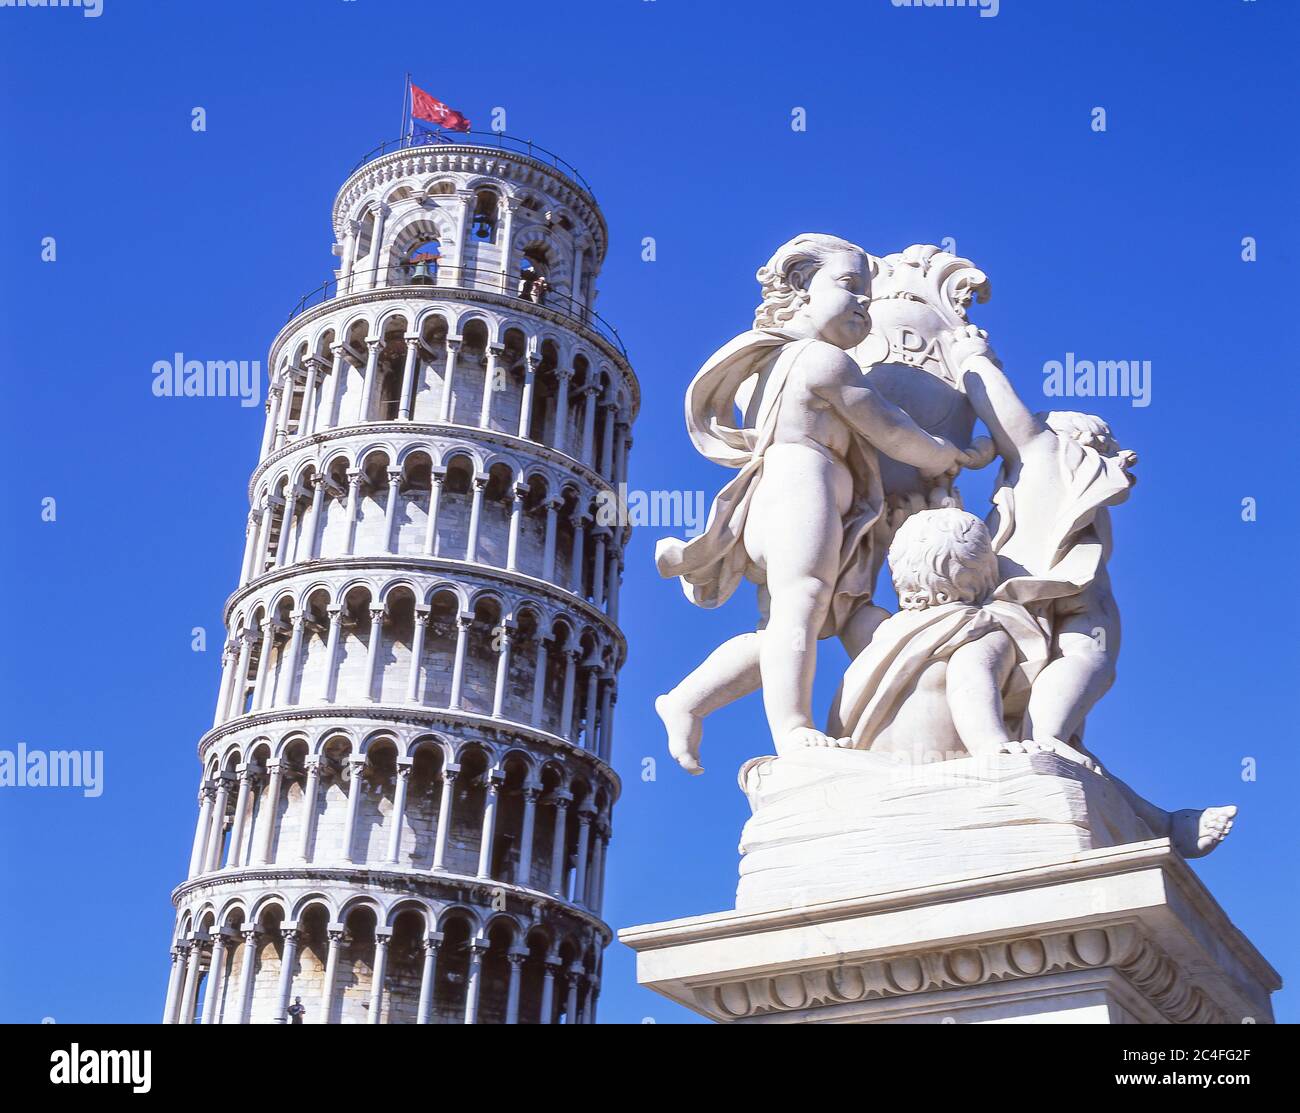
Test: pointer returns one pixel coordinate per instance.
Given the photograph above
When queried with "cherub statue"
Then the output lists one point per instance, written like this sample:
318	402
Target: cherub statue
949	671
798	518
1050	527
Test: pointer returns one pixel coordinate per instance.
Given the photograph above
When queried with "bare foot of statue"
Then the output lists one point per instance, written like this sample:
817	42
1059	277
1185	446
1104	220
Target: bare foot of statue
685	732
803	738
1061	749
1195	831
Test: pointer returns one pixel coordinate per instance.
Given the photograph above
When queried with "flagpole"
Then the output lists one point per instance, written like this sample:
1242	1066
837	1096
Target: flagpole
406	95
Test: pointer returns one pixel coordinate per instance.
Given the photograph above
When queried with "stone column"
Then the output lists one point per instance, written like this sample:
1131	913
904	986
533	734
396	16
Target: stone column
596	879
576	568
190	991
548	556
516	957
229	656
260	685
417	652
239	692
562	800
268	818
247	972
289	509
390	509
372	653
288	956
354	507
428	978
312	528
548	989
336	934
217	830
571	1002
518	492
399	811
509	276
494	354
475	516
198	854
488	834
373	344
378	275
593	666
566	706
588	448
444	404
244	774
250	546
272	419
613	580
531	361
524	872
473	980
383	936
175	980
326	417
315	368
407	402
355	788
575	282
309	809
605	732
216	970
607	441
463	622
562	377
599	537
350	241
289	386
263	539
331	654
505	634
436	478
445	805
585	811
289	662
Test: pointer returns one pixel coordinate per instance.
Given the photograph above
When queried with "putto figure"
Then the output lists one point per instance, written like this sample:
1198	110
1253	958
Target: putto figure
798	519
947	672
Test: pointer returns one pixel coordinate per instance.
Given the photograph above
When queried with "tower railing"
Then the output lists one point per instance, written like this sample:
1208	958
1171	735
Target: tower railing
425	279
486	139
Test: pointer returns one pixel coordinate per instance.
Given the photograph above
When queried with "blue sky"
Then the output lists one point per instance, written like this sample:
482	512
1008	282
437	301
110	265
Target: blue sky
922	124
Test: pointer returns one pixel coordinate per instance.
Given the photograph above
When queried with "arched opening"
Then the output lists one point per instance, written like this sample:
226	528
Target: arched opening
453	972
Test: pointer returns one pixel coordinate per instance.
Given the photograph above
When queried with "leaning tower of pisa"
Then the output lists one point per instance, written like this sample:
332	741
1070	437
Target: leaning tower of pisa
406	792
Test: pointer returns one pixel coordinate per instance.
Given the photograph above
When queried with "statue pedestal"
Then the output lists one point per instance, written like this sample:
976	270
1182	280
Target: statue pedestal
1119	934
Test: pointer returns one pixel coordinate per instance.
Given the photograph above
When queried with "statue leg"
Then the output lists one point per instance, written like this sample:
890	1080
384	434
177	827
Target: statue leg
1087	637
801	556
855	635
726	674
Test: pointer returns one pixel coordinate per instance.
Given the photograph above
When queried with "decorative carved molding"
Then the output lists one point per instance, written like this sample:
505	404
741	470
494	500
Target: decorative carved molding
1121	947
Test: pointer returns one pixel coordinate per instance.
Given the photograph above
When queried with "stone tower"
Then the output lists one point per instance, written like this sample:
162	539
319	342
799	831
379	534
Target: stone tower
406	791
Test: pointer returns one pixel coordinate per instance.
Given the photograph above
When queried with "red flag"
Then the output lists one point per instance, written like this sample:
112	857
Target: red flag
425	107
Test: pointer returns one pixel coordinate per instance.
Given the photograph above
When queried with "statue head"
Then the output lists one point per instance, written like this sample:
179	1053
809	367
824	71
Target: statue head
1091	432
942	556
820	282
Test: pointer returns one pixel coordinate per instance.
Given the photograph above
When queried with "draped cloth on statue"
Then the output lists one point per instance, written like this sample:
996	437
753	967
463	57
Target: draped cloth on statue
1064	560
886	672
712	564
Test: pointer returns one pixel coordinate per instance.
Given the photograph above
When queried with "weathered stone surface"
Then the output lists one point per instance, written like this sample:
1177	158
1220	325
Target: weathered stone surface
836	823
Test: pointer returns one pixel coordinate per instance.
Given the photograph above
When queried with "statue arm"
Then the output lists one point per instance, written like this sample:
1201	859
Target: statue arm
838	381
996	403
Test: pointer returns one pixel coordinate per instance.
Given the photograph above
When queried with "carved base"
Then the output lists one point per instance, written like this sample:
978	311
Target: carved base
1123	934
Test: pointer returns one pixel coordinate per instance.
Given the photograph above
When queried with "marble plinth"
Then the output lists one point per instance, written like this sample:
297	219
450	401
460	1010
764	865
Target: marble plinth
1120	934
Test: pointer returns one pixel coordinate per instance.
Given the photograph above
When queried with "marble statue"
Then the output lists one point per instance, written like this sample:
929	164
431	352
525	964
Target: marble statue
848	411
787	407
